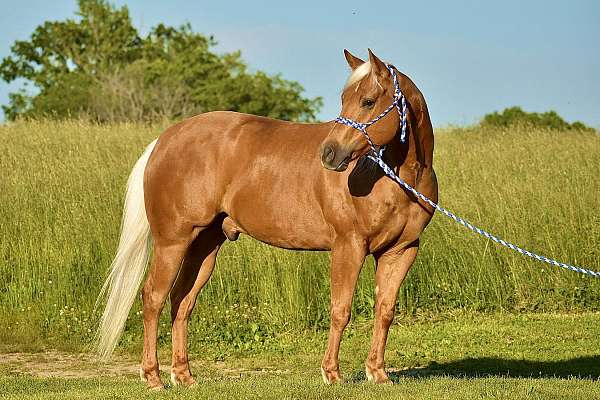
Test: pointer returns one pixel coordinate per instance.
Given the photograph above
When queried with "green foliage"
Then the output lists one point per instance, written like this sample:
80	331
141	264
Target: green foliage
516	116
98	66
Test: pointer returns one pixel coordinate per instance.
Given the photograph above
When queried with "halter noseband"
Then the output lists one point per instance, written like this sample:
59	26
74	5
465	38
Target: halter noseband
399	103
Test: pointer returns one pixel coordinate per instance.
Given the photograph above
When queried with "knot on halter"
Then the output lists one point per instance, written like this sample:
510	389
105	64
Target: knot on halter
399	103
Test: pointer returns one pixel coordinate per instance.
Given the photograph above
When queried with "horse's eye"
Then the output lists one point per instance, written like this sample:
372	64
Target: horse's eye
367	103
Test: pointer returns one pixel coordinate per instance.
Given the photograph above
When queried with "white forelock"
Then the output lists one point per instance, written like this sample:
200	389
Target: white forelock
358	74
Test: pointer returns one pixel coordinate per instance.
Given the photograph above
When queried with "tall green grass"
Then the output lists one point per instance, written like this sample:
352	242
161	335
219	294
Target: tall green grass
61	192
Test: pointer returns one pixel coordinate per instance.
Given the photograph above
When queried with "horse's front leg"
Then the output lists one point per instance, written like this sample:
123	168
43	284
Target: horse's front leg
347	256
392	268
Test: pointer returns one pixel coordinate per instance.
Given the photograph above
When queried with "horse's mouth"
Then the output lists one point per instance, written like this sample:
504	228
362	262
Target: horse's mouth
343	165
330	158
352	157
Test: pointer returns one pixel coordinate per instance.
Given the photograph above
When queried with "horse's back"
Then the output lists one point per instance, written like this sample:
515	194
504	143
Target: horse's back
260	171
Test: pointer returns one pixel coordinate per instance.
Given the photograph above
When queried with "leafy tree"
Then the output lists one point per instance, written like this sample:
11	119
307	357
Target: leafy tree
516	115
99	66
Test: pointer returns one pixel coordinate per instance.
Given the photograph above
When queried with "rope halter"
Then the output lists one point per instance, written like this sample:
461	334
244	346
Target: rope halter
399	103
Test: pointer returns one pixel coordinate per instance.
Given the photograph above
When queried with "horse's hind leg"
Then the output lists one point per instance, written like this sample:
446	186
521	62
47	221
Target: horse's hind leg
163	271
196	270
392	268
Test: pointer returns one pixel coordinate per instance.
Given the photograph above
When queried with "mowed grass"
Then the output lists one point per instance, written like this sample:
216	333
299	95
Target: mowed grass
460	356
274	387
61	192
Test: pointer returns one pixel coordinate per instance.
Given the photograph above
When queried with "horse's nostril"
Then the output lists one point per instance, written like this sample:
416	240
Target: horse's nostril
328	154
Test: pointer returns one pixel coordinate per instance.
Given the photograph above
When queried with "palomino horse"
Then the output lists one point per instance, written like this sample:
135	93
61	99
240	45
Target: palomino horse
291	185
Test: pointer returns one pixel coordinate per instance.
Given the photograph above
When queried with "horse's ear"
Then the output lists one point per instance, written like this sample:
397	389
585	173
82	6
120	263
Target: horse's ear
353	61
378	66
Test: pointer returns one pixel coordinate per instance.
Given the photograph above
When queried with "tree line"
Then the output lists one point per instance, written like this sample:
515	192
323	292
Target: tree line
98	65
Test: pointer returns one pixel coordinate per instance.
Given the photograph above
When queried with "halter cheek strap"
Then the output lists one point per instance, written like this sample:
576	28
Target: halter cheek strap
399	104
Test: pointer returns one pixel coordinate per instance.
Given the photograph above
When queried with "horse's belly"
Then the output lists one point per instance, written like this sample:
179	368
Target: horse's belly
289	240
287	224
285	235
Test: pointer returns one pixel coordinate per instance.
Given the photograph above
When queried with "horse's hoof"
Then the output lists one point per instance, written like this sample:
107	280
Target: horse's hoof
378	376
158	388
152	380
331	377
185	380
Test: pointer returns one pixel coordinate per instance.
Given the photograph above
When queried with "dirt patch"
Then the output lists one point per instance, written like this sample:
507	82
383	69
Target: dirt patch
68	365
65	365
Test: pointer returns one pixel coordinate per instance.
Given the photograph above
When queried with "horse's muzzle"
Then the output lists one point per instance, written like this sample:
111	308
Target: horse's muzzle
334	158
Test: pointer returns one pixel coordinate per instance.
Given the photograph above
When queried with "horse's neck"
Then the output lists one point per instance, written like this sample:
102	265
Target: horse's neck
420	140
409	159
423	135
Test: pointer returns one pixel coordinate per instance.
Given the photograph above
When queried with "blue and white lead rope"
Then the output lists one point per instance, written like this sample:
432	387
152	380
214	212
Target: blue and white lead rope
376	156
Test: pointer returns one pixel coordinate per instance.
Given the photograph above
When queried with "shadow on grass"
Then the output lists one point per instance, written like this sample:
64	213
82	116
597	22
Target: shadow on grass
581	367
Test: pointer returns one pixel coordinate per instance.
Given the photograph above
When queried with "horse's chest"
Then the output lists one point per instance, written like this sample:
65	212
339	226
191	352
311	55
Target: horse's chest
383	218
393	217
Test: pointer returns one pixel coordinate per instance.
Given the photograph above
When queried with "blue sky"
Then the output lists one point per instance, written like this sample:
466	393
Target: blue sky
467	57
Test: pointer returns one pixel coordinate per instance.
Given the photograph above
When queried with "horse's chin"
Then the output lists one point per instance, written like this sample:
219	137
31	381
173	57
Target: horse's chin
360	154
343	165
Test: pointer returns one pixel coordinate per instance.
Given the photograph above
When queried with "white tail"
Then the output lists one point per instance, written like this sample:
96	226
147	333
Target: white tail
129	266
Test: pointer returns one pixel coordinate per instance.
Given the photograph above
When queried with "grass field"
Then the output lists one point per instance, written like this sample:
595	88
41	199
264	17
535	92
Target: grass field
459	356
474	320
61	192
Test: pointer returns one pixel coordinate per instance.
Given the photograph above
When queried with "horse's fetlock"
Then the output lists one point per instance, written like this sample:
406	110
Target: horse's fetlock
373	363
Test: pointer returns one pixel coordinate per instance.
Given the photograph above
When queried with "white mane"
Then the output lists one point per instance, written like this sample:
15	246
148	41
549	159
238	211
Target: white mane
358	74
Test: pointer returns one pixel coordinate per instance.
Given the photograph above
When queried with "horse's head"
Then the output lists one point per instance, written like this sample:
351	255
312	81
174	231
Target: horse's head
368	92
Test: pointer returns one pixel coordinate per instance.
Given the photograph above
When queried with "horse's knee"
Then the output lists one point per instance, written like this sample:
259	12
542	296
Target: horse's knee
385	313
340	316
